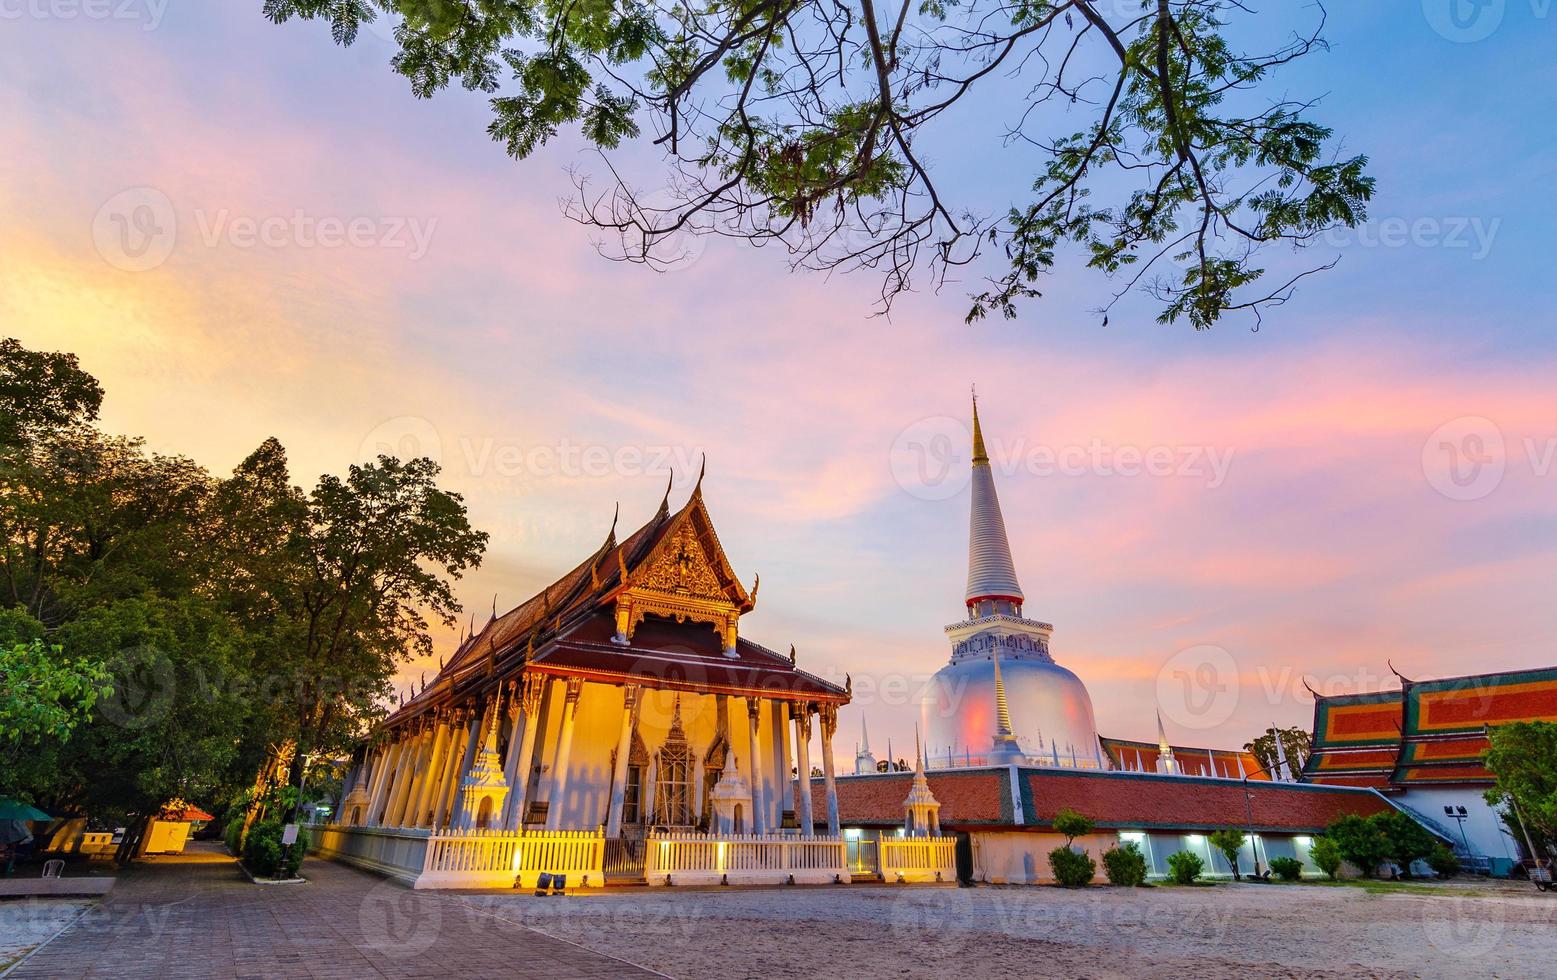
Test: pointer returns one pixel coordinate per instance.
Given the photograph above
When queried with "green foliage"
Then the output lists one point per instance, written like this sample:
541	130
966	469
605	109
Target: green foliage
1287	869
1444	862
41	394
1360	841
1326	855
236	619
1071	824
806	122
1125	865
44	697
232	834
1295	741
266	857
1185	868
1229	842
1071	868
1405	839
1522	757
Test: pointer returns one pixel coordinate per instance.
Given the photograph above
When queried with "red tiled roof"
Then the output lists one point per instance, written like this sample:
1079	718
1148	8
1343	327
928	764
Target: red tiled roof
1142	757
1114	800
1185	802
1427	732
972	797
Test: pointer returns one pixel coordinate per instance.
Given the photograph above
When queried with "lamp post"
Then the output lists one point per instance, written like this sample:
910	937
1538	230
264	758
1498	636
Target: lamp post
1248	807
1459	814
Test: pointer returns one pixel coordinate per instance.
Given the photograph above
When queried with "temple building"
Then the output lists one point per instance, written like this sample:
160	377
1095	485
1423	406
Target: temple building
620	705
1421	746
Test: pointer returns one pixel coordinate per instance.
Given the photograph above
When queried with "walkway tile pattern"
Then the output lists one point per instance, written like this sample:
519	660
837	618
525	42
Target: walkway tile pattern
199	917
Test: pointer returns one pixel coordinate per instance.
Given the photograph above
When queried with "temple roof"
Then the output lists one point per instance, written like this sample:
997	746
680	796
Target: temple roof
991	572
566	629
1427	732
973	799
1133	756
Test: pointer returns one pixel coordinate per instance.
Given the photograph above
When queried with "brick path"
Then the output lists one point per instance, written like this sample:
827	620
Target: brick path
197	916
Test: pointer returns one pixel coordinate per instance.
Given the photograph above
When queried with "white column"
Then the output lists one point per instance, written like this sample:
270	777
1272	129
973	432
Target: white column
624	746
559	768
829	720
523	754
428	784
803	768
404	778
382	779
786	789
456	806
759	815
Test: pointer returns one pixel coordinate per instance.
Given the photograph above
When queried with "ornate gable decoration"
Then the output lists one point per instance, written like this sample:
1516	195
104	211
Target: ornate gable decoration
685	578
682	568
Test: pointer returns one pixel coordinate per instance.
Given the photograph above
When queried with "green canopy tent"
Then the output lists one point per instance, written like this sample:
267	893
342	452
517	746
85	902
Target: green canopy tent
17	810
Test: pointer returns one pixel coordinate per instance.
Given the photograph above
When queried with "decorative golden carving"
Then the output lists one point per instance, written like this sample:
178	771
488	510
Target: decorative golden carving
534	688
682	568
829	718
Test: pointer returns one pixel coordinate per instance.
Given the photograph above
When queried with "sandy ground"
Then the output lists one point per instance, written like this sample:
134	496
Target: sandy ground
24	923
1228	930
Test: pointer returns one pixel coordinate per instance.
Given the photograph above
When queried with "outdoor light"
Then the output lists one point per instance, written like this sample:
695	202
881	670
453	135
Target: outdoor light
1449	810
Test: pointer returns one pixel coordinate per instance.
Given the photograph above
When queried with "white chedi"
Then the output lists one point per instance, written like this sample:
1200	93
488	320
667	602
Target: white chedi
1049	720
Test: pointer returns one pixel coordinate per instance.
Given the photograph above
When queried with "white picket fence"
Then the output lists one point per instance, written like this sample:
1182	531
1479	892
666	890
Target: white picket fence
707	859
468	858
915	859
497	859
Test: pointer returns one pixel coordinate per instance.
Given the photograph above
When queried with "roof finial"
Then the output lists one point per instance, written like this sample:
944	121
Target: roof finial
664	510
979	455
611	535
697	489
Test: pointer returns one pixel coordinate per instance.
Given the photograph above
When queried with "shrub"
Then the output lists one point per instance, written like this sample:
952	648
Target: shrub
1405	839
1326	855
233	835
264	855
1071	824
1185	867
1360	841
1071	868
1445	863
1229	842
1287	869
1125	865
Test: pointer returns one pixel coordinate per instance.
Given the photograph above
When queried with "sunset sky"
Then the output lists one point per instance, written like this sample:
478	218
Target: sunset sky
1321	516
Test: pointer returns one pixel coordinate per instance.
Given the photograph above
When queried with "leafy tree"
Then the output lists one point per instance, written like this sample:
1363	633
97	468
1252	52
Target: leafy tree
170	727
1071	868
1071	824
1360	840
1229	842
1326	855
44	697
42	394
1125	865
1406	840
815	125
1185	867
1297	743
1522	757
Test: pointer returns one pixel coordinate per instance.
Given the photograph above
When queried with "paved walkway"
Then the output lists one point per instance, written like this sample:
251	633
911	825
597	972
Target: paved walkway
198	916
